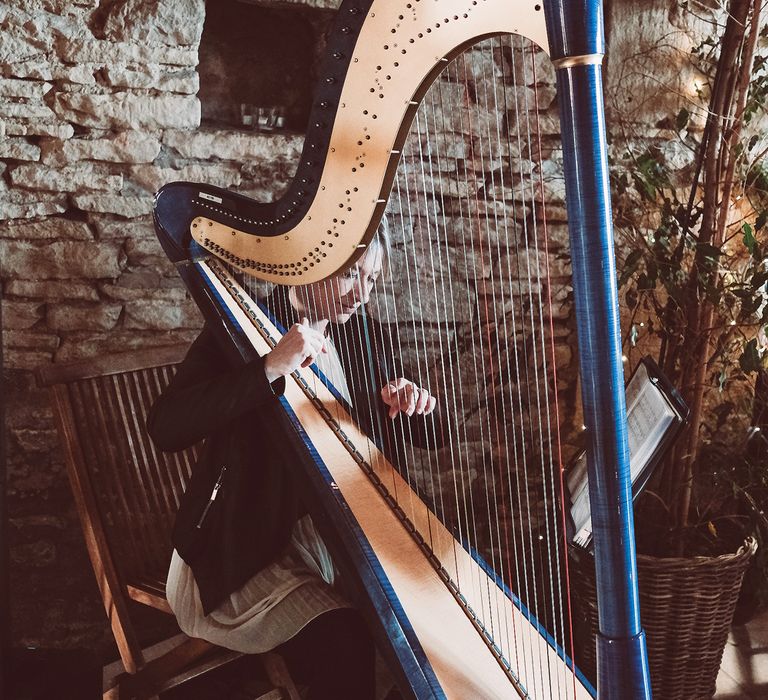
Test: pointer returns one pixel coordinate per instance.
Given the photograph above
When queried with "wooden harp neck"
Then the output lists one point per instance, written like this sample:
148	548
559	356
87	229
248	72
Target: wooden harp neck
392	51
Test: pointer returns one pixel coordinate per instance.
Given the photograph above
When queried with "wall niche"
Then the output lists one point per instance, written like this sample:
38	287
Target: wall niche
259	56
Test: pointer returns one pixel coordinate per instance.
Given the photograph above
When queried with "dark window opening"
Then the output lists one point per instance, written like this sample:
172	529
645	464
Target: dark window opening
258	61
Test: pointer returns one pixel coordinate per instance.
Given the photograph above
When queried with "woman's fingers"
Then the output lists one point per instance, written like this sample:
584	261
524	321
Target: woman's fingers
422	400
314	344
411	393
404	396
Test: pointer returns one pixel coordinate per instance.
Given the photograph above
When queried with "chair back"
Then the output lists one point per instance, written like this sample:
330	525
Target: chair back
126	491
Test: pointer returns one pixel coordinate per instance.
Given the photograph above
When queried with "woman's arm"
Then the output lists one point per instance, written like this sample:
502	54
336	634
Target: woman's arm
206	394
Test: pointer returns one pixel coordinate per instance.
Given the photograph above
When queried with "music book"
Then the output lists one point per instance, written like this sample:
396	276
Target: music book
655	415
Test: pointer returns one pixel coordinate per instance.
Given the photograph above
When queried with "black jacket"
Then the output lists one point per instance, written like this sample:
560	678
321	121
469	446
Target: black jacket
248	449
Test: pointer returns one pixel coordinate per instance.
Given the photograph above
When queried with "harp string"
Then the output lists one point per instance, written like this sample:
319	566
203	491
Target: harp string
486	312
554	563
478	160
451	377
537	326
504	475
447	371
426	236
470	431
560	464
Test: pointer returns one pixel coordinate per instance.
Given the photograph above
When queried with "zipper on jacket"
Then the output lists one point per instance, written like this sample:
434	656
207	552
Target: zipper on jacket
214	493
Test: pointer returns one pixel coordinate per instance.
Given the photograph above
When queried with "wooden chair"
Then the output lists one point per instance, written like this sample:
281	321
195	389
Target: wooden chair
127	494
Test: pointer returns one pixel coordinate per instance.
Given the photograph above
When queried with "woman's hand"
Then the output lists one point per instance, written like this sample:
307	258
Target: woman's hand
404	396
297	348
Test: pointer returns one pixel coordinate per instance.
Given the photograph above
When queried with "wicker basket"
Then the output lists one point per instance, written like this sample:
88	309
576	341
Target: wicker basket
686	608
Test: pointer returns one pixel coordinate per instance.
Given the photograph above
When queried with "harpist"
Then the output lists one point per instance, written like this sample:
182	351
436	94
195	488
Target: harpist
250	571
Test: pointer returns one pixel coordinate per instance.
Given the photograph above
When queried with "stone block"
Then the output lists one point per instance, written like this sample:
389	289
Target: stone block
49	69
19	149
129	207
109	52
45	520
37	554
56	131
16	44
51	290
162	315
125	110
29	89
110	229
135	285
15	204
154	76
152	177
654	89
230	144
79	346
28	360
32	440
73	178
171	22
676	154
30	340
125	147
26	110
27	405
428	300
21	315
82	317
61	260
143	252
51	228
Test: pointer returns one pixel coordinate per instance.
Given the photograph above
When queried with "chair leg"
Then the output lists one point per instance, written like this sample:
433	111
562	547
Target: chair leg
144	683
278	674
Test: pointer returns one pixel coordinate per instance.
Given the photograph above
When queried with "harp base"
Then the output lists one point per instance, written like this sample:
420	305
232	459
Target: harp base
622	669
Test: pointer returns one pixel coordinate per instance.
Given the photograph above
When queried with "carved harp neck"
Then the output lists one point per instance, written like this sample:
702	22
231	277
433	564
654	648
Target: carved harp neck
383	56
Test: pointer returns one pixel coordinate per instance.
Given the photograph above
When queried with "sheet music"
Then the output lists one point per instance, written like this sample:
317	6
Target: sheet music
649	415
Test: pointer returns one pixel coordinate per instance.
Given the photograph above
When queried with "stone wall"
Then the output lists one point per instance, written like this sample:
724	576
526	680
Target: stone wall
100	106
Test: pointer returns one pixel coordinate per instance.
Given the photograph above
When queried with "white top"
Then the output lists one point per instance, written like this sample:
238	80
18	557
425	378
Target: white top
271	607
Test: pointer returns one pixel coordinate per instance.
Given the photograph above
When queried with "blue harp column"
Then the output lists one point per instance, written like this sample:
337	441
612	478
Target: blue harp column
577	45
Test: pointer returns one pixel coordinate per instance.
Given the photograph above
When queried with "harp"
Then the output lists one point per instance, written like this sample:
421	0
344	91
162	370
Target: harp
456	552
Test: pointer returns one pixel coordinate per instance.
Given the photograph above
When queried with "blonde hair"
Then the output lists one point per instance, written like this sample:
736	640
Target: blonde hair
383	238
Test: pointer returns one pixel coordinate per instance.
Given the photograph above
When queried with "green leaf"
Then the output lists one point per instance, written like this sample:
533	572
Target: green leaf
750	360
749	238
630	265
681	121
762	217
709	251
722	379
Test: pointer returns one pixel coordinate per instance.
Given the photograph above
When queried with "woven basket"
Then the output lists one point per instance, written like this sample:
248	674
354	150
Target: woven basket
686	607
